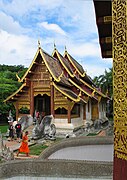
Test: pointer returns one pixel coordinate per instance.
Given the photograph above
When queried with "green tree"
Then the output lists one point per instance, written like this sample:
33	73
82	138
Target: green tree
8	85
105	82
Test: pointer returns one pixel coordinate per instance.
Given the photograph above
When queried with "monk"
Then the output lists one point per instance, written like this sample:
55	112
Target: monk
24	146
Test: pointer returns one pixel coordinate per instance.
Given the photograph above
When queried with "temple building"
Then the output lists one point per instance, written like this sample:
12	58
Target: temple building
58	85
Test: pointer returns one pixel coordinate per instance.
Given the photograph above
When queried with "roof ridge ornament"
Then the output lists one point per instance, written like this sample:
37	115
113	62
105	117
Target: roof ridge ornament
65	48
54	45
39	44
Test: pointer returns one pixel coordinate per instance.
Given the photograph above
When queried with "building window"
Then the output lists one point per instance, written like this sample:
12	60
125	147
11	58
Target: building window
61	111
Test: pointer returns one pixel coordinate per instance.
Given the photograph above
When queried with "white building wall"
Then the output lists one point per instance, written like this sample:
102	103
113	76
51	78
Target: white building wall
88	114
75	122
102	110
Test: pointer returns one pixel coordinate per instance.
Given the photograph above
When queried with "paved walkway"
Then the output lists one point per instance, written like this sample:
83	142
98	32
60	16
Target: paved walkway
14	145
102	133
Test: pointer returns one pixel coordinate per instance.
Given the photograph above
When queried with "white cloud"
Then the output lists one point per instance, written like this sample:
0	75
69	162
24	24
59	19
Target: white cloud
85	49
94	70
8	24
69	23
19	8
16	49
53	27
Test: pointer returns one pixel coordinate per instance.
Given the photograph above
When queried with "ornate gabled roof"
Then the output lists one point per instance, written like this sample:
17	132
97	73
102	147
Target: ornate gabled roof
52	65
64	62
77	67
69	93
55	68
75	64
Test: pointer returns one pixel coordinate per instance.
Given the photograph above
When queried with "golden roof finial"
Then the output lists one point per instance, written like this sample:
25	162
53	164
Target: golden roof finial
54	45
39	44
65	48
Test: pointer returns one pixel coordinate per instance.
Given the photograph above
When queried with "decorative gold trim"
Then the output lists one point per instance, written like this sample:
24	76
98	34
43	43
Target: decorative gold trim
106	40
93	92
79	87
107	19
56	106
30	66
18	77
104	20
80	93
100	93
119	34
99	98
65	94
56	79
59	78
55	51
24	84
69	58
41	93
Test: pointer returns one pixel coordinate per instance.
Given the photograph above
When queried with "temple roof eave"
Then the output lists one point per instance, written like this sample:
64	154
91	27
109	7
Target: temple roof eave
80	88
64	92
61	60
16	92
94	89
83	73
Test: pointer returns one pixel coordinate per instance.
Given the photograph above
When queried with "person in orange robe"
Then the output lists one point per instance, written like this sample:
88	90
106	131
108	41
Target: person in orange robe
24	146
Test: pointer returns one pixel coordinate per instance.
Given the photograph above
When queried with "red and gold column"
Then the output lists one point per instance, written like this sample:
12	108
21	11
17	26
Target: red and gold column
119	36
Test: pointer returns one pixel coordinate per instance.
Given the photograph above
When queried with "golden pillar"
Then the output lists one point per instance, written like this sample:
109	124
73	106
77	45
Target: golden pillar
31	99
119	33
52	99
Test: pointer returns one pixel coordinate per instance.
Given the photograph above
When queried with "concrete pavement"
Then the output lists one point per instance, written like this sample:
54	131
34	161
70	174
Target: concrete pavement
14	146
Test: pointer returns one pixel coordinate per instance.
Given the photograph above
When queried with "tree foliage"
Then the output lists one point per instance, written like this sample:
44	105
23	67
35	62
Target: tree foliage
105	82
9	84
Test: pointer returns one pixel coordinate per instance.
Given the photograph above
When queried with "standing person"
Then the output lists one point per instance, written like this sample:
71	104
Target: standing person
18	131
37	117
24	146
11	130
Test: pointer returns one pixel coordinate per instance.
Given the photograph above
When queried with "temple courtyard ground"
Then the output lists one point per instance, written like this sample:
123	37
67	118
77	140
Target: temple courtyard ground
14	146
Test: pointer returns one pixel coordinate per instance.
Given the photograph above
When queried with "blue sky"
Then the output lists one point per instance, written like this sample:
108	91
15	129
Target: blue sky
69	23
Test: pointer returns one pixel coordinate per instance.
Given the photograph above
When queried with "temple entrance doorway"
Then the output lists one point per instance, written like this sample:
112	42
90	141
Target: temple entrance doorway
42	104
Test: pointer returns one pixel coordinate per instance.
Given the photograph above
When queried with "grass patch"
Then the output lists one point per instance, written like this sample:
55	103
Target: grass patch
37	149
93	134
3	128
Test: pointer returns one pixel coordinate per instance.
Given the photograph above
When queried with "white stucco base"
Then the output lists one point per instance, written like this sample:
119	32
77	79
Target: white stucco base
63	126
